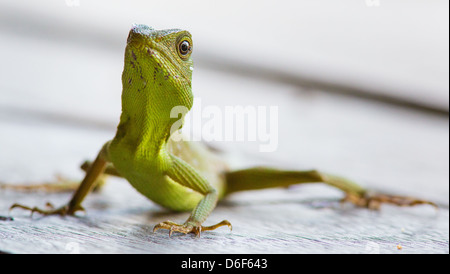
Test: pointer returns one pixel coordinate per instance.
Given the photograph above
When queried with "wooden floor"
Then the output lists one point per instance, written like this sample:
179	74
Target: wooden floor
60	101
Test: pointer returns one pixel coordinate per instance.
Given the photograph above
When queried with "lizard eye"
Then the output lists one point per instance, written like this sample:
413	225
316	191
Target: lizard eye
184	48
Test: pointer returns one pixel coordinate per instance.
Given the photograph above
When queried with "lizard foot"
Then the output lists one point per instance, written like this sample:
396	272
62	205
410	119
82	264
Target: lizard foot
63	211
188	228
374	200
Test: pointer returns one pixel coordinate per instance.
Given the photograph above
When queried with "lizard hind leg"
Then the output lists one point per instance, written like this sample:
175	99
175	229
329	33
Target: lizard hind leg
95	171
62	184
262	178
57	186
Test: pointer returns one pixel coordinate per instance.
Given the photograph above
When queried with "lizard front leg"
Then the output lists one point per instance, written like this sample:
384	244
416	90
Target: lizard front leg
187	176
94	171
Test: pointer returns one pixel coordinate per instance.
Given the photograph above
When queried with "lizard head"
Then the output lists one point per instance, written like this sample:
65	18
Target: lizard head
158	67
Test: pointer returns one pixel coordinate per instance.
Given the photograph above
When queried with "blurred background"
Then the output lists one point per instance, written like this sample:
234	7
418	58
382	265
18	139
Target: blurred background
362	86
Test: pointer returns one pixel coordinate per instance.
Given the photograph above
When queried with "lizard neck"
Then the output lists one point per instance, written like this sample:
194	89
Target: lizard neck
147	102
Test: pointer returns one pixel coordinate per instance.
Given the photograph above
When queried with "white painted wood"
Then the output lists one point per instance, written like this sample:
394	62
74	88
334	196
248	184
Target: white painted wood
60	101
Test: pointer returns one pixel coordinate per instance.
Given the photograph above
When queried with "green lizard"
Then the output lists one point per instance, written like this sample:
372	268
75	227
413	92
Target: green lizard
181	176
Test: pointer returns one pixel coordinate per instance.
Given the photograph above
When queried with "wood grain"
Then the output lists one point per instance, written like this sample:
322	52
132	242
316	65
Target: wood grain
54	114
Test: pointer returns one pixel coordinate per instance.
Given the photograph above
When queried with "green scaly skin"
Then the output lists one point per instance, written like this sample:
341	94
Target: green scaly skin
182	176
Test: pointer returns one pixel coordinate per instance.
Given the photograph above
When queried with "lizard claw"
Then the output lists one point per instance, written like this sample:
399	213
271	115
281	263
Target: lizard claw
374	200
188	228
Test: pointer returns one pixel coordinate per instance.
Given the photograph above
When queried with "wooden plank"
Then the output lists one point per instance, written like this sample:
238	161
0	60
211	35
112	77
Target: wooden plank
390	50
299	220
59	115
